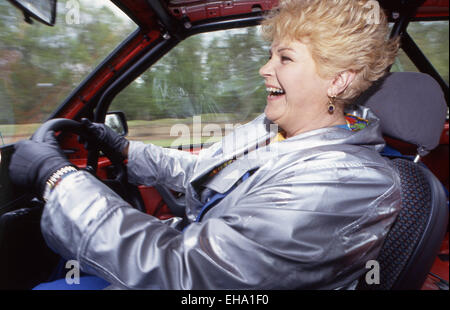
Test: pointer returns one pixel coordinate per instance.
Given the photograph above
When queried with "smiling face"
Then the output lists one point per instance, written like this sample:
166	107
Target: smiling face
298	96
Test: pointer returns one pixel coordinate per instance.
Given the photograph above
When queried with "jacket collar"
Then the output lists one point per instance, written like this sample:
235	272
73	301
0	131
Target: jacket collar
249	143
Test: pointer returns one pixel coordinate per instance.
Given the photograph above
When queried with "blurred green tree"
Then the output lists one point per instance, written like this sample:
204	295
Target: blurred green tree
41	65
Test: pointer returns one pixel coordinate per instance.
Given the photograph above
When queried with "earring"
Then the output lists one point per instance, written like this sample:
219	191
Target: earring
331	106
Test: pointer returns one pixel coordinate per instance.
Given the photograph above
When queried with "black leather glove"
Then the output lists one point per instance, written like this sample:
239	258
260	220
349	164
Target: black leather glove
104	138
33	163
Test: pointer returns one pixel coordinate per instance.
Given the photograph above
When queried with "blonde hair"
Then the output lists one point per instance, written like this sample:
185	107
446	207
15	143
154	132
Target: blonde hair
340	34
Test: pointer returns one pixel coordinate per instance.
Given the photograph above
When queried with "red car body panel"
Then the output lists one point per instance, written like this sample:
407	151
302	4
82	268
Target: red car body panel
433	8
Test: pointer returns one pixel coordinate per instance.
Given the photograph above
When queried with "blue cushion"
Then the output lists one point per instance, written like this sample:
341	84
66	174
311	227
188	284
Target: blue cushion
86	283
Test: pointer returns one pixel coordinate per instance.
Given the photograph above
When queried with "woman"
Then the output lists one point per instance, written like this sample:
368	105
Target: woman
299	198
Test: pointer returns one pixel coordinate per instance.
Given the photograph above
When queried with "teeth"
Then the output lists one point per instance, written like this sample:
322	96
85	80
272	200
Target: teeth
274	90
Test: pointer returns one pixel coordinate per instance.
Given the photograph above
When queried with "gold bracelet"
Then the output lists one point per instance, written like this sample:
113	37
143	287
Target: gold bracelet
55	178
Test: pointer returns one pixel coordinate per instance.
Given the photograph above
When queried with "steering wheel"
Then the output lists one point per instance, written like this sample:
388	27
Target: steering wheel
120	183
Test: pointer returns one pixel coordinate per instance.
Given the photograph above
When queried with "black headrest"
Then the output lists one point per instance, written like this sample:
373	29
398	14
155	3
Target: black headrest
411	107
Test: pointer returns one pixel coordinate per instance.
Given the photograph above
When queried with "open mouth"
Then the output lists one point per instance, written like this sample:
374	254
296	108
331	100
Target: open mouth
275	92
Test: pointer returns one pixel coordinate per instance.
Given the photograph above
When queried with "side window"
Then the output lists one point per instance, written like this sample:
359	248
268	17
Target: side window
432	37
403	63
200	90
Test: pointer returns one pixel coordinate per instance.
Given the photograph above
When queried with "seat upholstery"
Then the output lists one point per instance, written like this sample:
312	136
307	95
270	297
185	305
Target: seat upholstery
413	242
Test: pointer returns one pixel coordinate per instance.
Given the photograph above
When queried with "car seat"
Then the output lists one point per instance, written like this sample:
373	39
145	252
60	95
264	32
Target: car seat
411	108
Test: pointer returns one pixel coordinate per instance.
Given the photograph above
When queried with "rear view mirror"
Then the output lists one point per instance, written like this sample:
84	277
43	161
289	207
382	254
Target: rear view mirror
117	122
43	11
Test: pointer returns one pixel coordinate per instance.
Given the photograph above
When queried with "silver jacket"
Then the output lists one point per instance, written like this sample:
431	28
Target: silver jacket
316	209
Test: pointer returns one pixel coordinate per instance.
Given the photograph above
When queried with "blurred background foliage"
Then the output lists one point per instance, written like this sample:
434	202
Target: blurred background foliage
207	74
213	74
41	65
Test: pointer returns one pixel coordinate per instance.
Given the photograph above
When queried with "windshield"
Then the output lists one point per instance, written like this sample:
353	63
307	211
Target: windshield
41	65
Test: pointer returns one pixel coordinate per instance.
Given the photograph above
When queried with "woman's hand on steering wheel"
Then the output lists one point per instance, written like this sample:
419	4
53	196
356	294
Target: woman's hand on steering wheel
35	160
33	163
102	137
